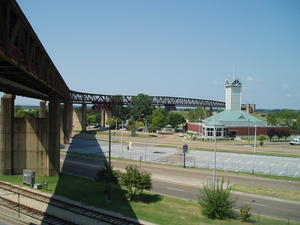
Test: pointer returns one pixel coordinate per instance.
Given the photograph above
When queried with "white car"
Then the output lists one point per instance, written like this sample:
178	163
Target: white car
295	141
180	134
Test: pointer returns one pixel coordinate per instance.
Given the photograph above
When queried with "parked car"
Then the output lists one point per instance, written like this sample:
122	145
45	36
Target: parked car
295	141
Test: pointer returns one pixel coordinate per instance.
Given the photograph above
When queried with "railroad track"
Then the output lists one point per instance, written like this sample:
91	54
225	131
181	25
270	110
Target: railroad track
34	213
90	213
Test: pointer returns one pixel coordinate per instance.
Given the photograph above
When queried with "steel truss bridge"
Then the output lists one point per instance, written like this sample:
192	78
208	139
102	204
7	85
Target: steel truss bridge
88	98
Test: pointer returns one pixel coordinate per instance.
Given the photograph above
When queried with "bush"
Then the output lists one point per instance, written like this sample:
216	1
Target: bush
135	180
261	139
215	200
245	213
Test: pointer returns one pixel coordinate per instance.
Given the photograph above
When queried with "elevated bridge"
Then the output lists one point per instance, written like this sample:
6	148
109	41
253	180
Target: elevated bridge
88	98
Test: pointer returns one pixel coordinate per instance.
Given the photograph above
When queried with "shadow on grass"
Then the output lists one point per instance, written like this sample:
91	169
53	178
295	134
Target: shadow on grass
147	198
77	180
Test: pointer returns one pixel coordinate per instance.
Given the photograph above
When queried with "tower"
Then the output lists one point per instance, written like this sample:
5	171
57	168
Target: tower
233	94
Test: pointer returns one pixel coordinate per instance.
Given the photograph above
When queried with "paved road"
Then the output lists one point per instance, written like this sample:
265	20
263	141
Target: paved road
279	166
185	184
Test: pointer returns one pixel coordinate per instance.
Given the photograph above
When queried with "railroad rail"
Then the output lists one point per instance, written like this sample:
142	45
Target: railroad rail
33	213
89	98
90	213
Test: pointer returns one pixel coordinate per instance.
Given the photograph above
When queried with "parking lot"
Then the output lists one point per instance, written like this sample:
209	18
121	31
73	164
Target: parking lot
272	165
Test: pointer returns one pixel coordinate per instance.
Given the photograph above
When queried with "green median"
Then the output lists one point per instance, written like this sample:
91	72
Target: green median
150	207
288	195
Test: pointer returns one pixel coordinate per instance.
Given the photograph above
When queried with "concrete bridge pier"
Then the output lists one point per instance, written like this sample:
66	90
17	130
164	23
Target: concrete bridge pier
54	136
42	109
170	108
83	117
210	110
6	134
105	115
67	122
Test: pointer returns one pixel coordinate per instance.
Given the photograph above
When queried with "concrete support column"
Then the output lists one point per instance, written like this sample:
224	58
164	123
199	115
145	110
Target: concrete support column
102	118
83	117
54	136
107	116
67	121
210	111
6	134
42	109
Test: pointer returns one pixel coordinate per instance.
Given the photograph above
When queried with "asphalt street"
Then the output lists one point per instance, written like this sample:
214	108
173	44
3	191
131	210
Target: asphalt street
178	183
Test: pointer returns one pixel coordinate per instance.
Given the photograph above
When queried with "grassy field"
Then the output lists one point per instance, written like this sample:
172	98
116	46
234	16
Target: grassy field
150	207
288	195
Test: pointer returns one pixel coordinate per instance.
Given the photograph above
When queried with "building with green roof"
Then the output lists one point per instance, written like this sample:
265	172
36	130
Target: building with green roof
232	121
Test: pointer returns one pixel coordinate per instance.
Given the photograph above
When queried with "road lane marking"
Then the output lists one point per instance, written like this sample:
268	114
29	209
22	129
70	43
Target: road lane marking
262	162
175	189
80	163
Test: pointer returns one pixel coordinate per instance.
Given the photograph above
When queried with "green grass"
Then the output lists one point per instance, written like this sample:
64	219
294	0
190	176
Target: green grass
289	195
151	207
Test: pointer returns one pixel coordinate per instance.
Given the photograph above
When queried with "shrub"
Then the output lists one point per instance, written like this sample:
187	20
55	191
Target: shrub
261	139
216	201
245	213
135	180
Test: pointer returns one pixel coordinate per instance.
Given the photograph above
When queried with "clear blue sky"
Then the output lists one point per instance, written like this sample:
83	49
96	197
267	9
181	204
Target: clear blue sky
175	48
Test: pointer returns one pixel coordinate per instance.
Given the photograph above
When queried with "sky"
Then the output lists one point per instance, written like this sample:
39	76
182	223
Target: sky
178	48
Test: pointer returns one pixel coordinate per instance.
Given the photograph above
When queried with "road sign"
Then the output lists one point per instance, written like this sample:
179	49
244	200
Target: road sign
185	148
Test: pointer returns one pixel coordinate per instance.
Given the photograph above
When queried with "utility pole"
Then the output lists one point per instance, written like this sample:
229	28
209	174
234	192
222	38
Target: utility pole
145	139
109	166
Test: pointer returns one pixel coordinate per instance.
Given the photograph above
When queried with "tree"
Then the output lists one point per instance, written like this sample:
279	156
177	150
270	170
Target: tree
32	113
272	119
261	139
159	118
175	119
111	122
195	115
93	117
133	126
279	133
216	201
141	107
135	181
286	133
271	133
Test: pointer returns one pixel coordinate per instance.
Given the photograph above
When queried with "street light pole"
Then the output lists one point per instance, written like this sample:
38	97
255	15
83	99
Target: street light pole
199	127
215	156
109	164
254	138
122	140
145	139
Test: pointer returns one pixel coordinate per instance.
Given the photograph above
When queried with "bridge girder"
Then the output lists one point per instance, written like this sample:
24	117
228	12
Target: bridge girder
23	60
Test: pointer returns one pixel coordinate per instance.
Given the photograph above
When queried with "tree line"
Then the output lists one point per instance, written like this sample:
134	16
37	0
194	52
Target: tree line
289	118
